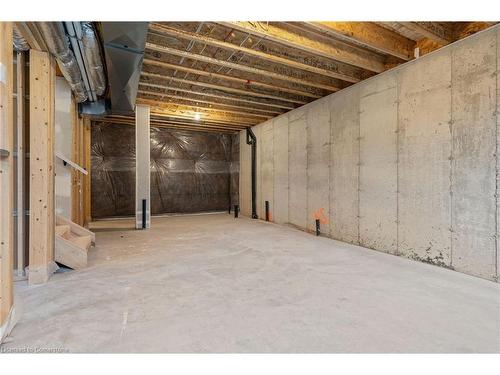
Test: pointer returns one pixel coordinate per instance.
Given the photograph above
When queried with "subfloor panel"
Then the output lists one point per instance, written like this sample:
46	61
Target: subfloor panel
212	283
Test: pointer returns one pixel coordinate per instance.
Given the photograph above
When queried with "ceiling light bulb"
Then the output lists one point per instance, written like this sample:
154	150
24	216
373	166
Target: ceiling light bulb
197	116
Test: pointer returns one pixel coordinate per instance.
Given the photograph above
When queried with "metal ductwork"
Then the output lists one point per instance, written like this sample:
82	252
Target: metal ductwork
57	44
93	58
20	44
124	44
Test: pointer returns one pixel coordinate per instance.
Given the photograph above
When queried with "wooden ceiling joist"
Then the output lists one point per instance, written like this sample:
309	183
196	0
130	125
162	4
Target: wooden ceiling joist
215	104
267	105
339	51
165	30
225	88
240	67
209	106
369	35
189	112
226	76
432	30
246	82
171	125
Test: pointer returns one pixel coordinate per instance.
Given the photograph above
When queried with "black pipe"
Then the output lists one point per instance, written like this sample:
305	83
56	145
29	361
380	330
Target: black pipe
143	214
252	140
318	232
236	209
267	210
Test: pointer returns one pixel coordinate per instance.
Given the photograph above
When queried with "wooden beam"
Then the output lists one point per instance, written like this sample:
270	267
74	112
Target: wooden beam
247	83
165	30
432	30
224	88
209	106
42	221
6	178
338	51
188	112
369	35
240	67
465	29
170	125
20	122
160	119
211	103
267	107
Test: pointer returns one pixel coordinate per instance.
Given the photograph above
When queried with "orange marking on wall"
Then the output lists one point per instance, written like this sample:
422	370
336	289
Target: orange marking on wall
320	215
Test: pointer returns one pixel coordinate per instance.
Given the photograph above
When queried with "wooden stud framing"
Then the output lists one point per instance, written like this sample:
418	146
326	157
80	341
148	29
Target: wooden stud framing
20	103
42	222
6	177
86	178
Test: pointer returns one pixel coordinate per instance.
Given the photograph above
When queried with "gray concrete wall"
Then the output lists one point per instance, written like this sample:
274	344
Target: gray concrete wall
405	162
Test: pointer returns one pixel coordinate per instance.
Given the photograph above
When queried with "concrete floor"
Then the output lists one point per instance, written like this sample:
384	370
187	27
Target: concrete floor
212	283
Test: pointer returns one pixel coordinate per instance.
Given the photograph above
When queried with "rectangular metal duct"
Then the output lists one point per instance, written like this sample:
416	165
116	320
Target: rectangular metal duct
124	44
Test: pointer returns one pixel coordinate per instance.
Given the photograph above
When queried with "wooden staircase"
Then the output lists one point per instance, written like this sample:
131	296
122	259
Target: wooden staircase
72	243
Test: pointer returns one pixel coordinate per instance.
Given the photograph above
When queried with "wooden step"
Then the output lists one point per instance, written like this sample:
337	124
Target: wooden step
72	243
61	230
70	253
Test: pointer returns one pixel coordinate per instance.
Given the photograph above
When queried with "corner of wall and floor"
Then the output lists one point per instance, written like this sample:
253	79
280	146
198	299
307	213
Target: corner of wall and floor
405	162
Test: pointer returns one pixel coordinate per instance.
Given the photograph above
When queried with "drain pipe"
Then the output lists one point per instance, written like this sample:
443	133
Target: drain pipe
252	140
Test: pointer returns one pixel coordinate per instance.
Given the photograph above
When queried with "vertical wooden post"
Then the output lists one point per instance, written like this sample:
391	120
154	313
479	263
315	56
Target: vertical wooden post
6	177
20	91
86	178
142	167
42	223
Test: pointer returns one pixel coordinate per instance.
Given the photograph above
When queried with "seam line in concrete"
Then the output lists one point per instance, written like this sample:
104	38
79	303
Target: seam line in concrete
451	155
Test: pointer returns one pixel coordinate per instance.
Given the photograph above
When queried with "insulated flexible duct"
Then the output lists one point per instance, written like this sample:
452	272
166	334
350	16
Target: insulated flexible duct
93	59
57	44
20	44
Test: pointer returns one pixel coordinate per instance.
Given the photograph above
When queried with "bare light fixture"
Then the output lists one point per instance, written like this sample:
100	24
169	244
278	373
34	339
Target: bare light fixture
197	116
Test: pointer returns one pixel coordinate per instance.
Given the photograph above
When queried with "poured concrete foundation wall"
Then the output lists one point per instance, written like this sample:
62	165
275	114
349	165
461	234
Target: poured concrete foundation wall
405	162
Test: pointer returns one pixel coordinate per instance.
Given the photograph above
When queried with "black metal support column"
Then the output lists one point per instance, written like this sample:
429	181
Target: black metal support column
252	140
236	210
318	231
267	210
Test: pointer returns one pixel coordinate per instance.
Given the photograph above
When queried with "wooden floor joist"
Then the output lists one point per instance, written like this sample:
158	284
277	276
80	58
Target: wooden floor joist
225	88
337	51
241	67
211	103
248	83
231	98
165	30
